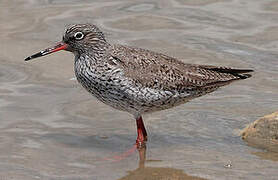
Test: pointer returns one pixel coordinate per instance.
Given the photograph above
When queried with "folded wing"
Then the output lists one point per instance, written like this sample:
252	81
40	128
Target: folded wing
158	71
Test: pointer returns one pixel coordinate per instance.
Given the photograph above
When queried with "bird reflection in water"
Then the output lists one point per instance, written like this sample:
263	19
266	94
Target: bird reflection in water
150	173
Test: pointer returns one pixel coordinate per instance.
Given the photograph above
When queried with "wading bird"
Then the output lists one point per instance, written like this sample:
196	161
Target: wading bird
137	80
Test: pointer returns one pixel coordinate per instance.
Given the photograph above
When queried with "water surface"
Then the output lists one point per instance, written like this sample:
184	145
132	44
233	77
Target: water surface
51	128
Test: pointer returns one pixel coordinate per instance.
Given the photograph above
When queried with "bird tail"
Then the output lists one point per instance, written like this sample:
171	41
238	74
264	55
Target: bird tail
241	73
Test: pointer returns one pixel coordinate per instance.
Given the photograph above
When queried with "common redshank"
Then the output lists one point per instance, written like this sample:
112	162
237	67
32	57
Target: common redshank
137	80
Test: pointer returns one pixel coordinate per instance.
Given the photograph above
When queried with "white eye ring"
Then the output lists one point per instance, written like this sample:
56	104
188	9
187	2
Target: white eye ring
78	35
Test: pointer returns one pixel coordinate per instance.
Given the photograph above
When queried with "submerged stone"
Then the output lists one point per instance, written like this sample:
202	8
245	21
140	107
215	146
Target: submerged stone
263	133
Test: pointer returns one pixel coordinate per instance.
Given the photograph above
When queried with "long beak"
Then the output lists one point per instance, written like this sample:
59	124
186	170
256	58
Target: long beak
57	47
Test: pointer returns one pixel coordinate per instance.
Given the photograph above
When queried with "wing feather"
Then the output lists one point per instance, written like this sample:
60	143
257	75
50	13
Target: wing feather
156	70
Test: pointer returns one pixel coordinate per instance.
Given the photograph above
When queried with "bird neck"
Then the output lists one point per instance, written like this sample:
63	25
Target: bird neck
95	51
98	50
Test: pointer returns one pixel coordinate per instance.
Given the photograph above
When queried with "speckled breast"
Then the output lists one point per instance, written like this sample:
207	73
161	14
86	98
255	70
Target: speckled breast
108	84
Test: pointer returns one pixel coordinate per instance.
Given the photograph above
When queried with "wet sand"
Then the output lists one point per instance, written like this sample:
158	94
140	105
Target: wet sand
51	128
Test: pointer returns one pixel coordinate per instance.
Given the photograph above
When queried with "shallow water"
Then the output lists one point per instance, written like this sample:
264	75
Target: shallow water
51	128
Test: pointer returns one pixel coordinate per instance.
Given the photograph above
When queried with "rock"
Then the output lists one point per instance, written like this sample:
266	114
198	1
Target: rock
263	133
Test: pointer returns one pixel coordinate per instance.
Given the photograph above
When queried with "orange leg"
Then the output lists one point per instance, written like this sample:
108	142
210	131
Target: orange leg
141	133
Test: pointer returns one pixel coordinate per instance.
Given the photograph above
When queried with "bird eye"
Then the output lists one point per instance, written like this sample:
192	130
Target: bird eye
78	35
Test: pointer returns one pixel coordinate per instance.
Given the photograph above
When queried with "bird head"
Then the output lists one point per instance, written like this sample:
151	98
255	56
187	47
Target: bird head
77	38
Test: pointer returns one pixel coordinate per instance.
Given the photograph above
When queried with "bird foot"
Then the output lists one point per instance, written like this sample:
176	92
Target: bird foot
141	140
140	144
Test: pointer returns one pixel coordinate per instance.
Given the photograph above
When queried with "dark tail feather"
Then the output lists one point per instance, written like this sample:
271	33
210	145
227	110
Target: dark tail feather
232	71
236	72
243	76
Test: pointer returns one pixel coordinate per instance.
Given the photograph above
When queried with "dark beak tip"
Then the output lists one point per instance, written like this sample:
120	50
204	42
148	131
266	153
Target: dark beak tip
27	59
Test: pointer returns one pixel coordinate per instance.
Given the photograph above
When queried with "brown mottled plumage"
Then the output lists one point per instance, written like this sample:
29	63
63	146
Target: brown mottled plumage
156	70
137	80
